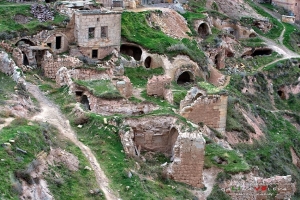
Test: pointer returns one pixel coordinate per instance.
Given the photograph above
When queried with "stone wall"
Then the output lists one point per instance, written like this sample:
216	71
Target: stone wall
165	134
288	19
97	30
209	109
51	65
157	85
248	187
188	159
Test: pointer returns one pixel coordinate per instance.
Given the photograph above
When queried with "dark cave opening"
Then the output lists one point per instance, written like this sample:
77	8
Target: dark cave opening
262	52
185	77
148	62
203	30
133	51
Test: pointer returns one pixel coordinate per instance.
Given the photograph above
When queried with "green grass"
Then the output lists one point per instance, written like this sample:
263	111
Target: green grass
209	88
135	29
139	75
7	87
32	139
234	163
101	88
289	30
277	26
253	42
9	27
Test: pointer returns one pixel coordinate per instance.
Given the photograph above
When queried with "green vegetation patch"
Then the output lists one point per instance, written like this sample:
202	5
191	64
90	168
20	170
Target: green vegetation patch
7	87
135	29
9	27
277	26
231	161
287	40
101	88
209	88
253	42
139	75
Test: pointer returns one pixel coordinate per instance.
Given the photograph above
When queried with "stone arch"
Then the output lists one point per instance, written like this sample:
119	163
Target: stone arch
252	35
148	62
131	50
185	77
26	41
58	42
203	29
282	94
199	94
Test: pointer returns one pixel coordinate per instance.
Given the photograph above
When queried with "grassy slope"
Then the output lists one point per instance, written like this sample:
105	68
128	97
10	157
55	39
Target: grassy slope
31	138
271	155
8	26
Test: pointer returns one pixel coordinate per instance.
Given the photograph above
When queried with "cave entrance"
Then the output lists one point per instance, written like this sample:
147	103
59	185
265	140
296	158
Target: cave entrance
252	35
184	78
203	30
281	94
173	135
262	52
25	59
133	51
229	54
85	102
148	62
218	60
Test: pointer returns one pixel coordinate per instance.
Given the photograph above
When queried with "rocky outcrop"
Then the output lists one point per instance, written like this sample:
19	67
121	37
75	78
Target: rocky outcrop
158	86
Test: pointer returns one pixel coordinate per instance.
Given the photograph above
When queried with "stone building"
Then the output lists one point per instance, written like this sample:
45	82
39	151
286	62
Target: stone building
97	33
292	5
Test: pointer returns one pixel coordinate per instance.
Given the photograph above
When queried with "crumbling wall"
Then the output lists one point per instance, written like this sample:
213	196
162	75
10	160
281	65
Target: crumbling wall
209	109
166	134
18	56
248	186
288	19
157	85
50	65
188	159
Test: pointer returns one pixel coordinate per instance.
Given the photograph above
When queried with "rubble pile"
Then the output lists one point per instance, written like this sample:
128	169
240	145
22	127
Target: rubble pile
42	12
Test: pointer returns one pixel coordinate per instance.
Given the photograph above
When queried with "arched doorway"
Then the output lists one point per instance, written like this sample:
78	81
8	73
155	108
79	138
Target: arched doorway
130	50
148	62
203	30
25	59
25	41
173	135
185	77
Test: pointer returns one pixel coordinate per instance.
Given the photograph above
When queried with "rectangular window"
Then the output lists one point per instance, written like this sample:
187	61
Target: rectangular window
91	33
94	53
58	42
104	31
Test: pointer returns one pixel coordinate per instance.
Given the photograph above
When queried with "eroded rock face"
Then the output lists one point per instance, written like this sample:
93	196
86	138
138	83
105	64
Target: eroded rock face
166	134
252	187
198	107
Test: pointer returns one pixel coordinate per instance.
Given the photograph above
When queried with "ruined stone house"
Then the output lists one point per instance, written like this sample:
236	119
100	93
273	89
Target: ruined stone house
97	33
292	5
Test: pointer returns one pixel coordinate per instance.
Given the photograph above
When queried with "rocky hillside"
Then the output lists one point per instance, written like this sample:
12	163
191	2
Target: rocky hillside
200	101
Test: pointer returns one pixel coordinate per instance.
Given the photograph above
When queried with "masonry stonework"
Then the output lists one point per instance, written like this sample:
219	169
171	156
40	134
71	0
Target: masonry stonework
97	33
208	109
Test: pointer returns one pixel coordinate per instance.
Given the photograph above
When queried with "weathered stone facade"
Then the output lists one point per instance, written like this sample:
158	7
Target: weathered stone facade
188	159
97	33
165	134
157	85
292	5
198	107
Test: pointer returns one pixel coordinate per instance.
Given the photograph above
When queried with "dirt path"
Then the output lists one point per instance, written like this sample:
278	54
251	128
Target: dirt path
50	113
